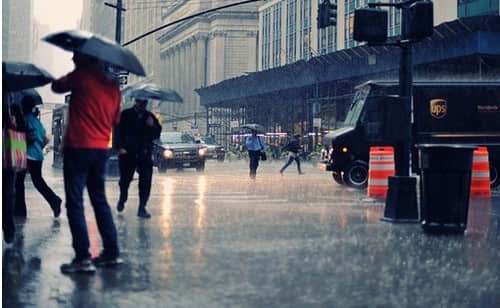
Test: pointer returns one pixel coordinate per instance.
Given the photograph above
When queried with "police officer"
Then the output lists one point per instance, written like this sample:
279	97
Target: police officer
135	133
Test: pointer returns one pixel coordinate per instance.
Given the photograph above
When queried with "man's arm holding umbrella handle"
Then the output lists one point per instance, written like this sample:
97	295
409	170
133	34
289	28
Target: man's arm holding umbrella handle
63	84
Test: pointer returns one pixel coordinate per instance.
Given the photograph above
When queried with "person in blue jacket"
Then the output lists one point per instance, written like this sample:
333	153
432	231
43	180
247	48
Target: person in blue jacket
254	145
37	139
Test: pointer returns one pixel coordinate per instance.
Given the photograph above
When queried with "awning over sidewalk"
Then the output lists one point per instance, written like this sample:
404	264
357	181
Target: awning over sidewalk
461	38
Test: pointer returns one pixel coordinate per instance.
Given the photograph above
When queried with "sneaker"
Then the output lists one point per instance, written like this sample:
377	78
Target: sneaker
143	214
281	172
120	206
78	266
57	208
106	261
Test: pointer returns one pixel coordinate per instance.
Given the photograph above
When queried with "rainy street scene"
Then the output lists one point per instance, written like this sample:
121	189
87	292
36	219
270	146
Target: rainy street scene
250	153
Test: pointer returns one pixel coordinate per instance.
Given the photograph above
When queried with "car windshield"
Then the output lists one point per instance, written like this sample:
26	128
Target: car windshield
176	138
208	140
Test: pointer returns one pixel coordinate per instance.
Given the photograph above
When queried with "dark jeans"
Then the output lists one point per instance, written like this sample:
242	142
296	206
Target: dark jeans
128	164
254	162
87	167
8	196
290	161
35	170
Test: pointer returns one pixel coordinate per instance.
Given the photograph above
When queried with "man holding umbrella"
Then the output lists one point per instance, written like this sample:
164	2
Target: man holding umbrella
135	134
255	145
94	108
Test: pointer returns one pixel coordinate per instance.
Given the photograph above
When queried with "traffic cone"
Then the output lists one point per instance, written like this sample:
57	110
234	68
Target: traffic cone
380	167
480	179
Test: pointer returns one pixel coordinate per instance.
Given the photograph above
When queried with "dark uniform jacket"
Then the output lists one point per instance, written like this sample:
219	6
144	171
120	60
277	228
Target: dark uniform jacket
134	135
292	146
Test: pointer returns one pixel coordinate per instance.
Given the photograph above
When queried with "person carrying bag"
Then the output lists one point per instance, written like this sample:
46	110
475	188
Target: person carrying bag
255	148
14	160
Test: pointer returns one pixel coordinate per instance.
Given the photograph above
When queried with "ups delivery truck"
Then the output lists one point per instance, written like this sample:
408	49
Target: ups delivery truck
443	112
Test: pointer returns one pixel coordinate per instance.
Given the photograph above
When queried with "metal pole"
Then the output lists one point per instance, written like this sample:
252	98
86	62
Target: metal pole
405	86
118	33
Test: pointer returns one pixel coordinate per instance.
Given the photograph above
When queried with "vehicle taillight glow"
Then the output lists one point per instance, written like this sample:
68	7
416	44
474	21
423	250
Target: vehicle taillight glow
202	151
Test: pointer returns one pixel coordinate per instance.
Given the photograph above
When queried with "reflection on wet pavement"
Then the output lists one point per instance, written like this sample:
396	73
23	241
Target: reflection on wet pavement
219	239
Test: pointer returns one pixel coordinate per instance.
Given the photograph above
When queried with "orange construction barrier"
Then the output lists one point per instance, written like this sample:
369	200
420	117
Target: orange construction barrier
480	178
380	167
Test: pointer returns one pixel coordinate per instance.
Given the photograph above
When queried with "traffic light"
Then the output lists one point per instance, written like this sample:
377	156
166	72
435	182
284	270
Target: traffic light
370	25
420	20
327	14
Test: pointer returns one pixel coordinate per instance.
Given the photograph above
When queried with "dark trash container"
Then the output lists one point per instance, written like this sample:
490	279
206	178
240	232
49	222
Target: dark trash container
444	186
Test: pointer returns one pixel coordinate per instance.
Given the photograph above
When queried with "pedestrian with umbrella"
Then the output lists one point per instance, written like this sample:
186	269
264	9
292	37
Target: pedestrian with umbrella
94	108
135	134
15	76
37	139
256	148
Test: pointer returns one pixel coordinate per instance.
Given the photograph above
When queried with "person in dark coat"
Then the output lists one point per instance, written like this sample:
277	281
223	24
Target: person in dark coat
293	147
135	133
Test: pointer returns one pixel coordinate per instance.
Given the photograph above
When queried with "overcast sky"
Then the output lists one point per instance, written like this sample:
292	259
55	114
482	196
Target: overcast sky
58	15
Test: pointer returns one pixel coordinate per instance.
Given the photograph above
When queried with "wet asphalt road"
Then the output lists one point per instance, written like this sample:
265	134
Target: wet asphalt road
219	239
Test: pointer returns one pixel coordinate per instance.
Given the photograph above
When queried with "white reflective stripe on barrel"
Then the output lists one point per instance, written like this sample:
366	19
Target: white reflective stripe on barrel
381	167
377	182
382	157
478	158
480	174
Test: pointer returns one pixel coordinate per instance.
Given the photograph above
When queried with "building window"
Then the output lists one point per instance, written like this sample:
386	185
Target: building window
305	29
478	7
266	38
277	35
327	41
394	20
291	30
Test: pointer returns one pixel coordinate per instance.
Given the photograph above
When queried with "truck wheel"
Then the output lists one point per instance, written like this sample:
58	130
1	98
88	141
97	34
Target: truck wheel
494	180
201	167
337	177
356	175
162	168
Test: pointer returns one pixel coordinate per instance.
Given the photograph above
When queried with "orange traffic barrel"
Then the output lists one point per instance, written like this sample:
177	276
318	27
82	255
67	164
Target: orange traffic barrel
380	167
480	178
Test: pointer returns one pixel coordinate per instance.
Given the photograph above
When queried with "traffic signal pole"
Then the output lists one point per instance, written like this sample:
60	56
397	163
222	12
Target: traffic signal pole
119	9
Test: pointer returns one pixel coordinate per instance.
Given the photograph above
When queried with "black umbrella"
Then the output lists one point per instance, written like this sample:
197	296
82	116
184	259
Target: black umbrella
98	47
21	75
253	126
152	91
17	97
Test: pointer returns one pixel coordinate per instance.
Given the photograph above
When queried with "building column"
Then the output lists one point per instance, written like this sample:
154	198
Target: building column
182	76
176	76
191	75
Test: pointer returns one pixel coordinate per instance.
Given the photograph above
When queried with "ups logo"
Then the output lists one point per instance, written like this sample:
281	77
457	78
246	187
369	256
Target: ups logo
438	108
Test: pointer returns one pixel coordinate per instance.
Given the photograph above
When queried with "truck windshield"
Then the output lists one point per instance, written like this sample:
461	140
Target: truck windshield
356	107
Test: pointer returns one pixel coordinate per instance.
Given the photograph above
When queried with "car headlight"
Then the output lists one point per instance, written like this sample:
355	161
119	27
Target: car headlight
168	153
202	151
